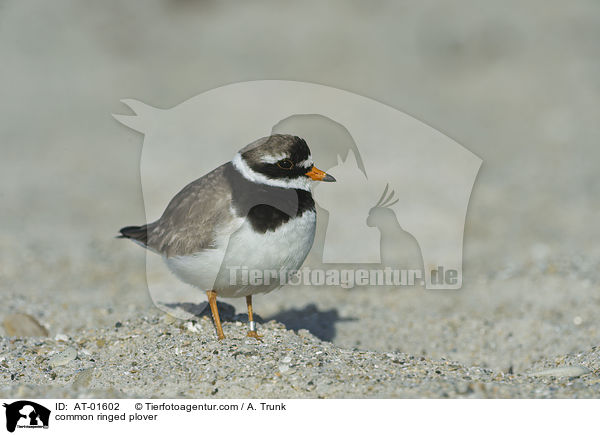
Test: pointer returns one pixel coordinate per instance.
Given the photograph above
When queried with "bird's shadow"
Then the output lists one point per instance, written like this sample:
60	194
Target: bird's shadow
226	311
320	323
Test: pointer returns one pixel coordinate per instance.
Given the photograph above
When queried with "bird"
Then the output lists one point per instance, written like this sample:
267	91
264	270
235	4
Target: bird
255	212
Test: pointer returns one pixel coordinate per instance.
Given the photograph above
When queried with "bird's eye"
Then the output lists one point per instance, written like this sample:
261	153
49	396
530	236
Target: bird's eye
285	164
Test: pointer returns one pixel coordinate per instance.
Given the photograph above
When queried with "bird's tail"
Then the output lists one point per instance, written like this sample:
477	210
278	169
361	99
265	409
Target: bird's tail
135	233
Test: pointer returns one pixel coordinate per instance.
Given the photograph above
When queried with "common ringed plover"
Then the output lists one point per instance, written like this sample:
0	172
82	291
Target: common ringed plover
255	212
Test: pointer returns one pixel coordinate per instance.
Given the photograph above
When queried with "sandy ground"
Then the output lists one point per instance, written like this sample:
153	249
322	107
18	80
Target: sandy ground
516	83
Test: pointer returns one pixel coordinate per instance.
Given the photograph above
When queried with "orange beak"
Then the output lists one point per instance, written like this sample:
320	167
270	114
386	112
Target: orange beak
318	175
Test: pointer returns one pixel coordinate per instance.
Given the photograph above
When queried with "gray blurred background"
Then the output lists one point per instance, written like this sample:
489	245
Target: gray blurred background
517	83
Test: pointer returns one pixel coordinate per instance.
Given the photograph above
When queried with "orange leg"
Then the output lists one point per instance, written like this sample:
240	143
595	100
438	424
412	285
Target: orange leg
212	300
252	332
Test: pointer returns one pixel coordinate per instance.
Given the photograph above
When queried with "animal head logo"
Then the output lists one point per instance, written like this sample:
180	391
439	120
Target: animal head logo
26	414
369	147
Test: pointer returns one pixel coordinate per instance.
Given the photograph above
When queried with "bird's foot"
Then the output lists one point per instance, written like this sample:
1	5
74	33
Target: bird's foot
254	334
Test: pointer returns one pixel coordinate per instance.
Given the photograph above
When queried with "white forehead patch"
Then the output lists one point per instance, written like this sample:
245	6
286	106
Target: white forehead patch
308	163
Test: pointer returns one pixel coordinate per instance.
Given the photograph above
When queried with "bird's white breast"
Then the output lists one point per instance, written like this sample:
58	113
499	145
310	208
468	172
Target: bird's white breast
285	248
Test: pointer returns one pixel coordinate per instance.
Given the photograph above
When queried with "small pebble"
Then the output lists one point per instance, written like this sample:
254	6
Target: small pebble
192	327
571	371
23	325
63	358
83	378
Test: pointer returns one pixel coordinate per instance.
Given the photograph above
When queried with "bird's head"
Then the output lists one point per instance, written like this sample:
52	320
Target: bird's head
279	160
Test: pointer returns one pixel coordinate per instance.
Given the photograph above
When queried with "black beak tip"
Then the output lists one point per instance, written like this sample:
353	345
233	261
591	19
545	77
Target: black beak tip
329	178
